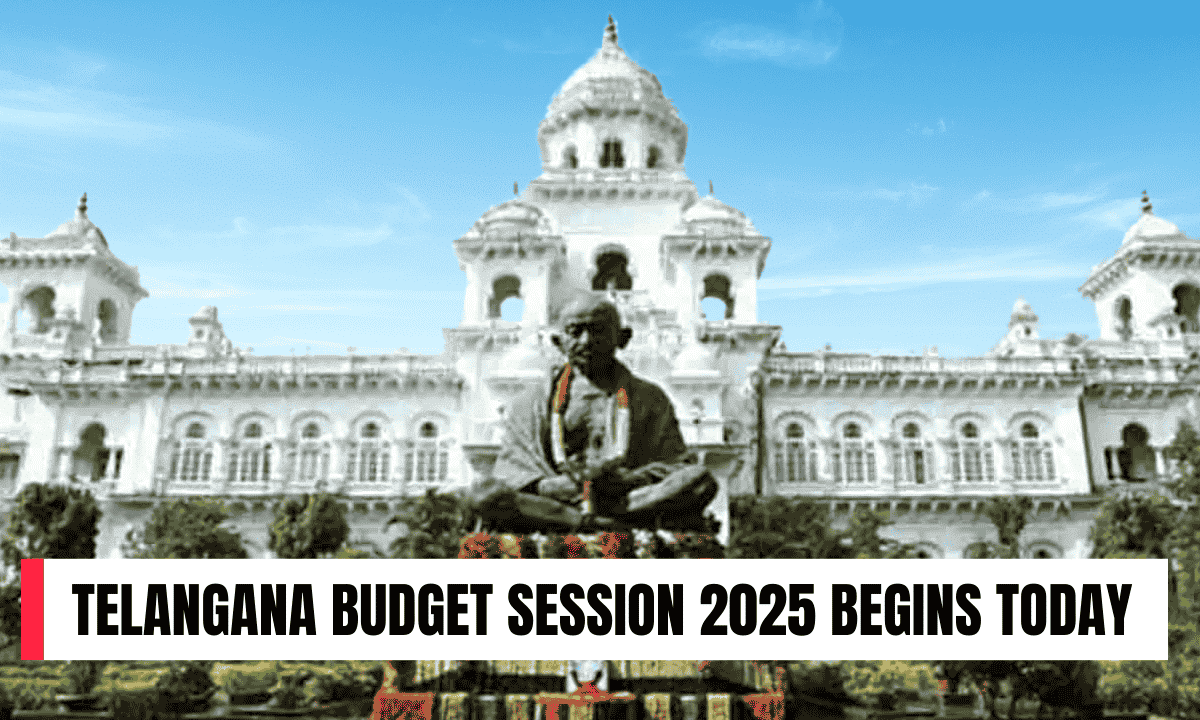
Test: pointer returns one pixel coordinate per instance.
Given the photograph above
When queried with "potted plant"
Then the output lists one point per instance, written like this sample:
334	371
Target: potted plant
186	688
78	685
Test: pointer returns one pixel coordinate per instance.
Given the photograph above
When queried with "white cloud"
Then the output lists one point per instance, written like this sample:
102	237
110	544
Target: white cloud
1117	214
37	107
927	130
1056	200
1011	266
815	41
333	235
914	193
195	293
303	308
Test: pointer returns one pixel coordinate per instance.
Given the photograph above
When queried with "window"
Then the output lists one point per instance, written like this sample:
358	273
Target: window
312	456
37	311
10	465
250	461
854	458
570	157
717	288
611	155
796	459
1187	307
504	288
106	320
191	461
428	459
912	457
1032	457
1124	318
612	272
652	157
92	460
1135	460
370	457
971	459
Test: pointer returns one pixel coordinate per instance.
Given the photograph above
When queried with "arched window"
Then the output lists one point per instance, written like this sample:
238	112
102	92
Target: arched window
106	320
37	310
1032	457
428	459
1187	305
1135	458
1043	551
570	158
503	288
92	460
191	462
718	289
977	551
854	457
796	457
652	154
612	272
610	155
1123	315
971	458
912	457
250	461
370	456
312	456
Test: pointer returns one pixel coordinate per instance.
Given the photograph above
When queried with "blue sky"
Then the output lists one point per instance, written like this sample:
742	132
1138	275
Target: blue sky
306	167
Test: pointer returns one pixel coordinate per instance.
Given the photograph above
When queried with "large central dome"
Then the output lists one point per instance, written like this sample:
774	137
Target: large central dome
609	77
618	101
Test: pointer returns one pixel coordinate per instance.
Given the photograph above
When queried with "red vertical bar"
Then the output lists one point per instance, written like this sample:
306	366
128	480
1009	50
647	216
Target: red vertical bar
32	609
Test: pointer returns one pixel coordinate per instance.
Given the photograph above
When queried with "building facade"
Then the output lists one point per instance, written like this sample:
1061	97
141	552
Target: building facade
925	438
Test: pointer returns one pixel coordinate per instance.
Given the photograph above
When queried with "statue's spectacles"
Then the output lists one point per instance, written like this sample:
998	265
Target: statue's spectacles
575	330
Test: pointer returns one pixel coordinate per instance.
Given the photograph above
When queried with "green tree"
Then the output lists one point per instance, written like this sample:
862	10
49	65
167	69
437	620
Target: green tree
308	527
186	528
47	521
1060	683
51	521
777	527
1008	514
1134	526
1183	663
434	525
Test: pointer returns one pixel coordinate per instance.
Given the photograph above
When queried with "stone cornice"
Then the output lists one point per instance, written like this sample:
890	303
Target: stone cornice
1148	254
614	186
53	255
864	373
723	247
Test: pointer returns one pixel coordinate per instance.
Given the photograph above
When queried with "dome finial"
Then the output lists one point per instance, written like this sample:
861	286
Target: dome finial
1146	206
515	188
81	211
710	190
610	33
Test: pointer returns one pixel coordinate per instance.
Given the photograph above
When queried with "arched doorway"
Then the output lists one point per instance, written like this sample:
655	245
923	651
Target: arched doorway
90	461
612	272
1187	307
1135	458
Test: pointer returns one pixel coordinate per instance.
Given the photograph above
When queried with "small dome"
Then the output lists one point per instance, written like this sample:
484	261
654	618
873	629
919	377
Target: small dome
208	313
1151	227
695	361
1022	312
80	226
709	212
512	217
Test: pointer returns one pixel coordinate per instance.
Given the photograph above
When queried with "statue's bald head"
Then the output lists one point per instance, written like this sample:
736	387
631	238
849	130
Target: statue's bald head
590	307
591	332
